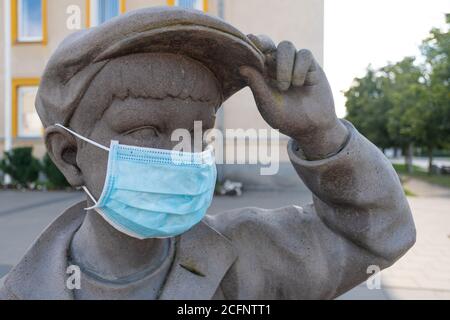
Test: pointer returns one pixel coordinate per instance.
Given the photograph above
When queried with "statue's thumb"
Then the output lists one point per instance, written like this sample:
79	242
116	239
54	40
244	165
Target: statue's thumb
261	90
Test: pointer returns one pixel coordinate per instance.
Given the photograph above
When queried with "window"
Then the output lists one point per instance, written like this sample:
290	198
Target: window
100	11
29	20
26	122
190	4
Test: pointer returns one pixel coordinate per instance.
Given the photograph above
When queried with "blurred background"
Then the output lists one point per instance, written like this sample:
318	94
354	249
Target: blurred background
387	62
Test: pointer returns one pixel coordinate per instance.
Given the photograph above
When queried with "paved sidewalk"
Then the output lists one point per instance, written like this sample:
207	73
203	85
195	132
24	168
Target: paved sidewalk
23	216
424	272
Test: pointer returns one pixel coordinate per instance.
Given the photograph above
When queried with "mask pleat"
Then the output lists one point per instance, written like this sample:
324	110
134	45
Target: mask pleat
161	202
163	178
154	225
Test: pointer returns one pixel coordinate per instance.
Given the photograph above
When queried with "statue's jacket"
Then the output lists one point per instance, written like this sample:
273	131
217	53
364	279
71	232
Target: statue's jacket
359	218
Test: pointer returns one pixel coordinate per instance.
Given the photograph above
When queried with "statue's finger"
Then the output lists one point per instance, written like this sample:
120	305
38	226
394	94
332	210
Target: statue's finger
263	43
286	53
303	61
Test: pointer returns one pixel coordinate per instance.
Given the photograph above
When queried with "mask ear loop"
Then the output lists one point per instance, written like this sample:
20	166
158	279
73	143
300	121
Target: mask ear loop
83	138
90	196
93	143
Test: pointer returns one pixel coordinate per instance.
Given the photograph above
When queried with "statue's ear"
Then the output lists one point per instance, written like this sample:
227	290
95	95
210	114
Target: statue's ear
62	149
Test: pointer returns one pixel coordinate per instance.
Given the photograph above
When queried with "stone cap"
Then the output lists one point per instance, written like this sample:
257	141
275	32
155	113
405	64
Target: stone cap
207	39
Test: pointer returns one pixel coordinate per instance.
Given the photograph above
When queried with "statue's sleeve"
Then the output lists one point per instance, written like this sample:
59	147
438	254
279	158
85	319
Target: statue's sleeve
359	218
5	294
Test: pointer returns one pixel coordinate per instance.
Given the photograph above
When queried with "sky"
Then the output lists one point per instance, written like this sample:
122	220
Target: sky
363	32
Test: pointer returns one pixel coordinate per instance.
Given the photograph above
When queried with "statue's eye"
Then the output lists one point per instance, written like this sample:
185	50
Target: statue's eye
142	133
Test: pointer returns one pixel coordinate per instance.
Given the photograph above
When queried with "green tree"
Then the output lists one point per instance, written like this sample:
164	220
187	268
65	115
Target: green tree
434	127
406	92
382	105
368	107
406	104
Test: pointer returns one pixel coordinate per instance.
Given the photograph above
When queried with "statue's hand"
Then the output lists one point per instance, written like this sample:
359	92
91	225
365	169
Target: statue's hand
294	97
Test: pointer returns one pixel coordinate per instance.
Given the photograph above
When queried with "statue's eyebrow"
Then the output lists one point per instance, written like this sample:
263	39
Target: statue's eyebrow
139	115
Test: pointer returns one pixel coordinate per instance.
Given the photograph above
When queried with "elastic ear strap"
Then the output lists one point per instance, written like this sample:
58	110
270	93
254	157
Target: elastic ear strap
83	138
90	196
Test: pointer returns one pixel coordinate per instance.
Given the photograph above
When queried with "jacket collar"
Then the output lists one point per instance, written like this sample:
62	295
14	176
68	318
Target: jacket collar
201	261
202	258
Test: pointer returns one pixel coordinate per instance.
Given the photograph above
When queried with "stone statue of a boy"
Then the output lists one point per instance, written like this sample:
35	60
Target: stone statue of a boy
140	76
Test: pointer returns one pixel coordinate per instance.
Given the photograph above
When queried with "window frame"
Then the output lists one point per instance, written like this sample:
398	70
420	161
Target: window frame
122	10
171	3
15	19
17	83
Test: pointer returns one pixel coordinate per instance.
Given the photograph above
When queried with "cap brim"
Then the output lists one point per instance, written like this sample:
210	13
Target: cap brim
220	51
211	41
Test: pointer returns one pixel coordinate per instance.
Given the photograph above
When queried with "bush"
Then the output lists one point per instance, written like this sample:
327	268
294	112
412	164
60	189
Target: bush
20	164
56	179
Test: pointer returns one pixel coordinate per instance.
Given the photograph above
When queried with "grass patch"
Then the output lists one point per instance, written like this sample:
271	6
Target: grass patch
408	192
443	181
440	180
401	169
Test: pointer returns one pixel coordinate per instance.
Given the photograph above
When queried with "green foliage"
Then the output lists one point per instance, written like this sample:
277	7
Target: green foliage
368	106
436	50
56	179
407	93
406	103
20	164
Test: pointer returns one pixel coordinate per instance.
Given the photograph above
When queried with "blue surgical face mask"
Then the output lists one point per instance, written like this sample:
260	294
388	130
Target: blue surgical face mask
154	193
